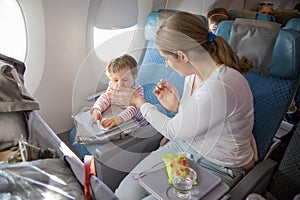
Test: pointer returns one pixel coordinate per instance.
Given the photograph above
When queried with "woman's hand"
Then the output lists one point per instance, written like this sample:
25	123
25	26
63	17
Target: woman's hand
167	95
128	96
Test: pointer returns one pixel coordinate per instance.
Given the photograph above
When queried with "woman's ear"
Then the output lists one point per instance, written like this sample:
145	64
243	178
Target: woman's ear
183	56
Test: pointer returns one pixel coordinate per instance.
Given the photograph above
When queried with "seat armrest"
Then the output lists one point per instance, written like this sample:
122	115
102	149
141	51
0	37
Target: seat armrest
275	144
255	181
100	190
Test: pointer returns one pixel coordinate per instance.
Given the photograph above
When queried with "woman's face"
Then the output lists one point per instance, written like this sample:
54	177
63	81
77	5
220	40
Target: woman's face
176	63
122	79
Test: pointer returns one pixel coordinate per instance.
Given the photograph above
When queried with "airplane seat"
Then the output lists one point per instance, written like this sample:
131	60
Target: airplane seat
247	14
293	24
153	66
157	13
224	27
273	82
285	183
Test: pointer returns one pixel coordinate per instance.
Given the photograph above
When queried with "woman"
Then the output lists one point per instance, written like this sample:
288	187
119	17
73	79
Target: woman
213	120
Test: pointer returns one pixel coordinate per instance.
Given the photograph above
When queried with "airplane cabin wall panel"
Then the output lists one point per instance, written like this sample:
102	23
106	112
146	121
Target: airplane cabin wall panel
58	57
33	13
200	6
65	51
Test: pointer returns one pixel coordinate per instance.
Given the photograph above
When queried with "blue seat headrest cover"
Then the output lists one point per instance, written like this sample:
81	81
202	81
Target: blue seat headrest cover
293	24
224	29
153	20
286	54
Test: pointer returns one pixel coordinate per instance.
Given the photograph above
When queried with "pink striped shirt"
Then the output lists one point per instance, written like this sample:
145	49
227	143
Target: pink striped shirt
104	101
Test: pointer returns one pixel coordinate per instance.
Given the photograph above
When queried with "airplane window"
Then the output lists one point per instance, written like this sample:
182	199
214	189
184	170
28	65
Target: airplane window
13	33
122	40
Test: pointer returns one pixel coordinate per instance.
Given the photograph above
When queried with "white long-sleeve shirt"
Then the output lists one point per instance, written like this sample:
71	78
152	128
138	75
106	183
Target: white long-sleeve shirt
216	119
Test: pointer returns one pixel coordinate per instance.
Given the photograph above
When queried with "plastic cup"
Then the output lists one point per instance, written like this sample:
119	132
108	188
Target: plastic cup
183	180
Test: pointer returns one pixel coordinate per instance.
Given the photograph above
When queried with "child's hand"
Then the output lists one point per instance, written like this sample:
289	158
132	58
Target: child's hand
96	115
111	122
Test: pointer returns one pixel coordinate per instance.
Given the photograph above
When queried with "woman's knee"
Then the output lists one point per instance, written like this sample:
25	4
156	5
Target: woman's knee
130	189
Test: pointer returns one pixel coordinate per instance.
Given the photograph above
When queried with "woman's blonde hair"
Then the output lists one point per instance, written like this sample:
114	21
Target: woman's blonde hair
120	63
185	31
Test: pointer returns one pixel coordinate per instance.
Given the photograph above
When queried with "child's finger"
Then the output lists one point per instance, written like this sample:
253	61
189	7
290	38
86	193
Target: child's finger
105	123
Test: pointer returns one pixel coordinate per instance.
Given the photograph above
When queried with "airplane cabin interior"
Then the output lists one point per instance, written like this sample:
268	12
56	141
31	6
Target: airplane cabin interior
54	61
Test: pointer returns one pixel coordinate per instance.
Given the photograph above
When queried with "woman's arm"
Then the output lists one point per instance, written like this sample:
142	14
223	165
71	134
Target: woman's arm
185	124
201	113
166	93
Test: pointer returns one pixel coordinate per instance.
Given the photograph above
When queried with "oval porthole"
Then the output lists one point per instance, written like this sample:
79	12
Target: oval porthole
106	38
13	32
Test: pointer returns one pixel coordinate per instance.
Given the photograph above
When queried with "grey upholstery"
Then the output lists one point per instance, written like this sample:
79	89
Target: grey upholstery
285	184
53	178
263	36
